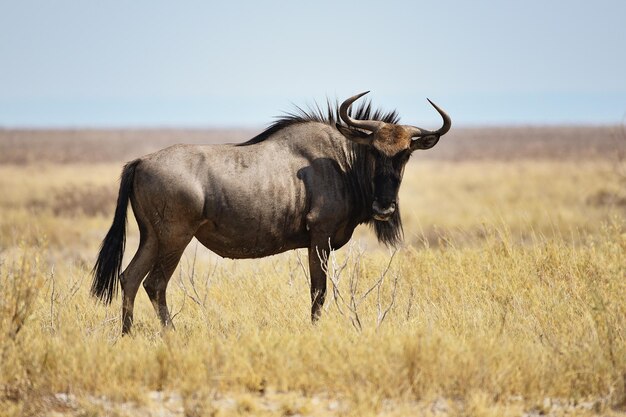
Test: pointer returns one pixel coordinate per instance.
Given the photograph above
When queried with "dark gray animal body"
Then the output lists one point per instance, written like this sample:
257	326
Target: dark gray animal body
306	182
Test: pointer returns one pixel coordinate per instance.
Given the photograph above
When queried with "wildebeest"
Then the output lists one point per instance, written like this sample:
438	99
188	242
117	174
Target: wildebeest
305	182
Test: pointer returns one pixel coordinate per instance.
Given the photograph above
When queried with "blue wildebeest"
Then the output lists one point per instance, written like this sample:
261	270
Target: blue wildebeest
305	182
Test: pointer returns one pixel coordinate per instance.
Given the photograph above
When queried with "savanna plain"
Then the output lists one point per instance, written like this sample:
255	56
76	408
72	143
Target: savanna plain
507	297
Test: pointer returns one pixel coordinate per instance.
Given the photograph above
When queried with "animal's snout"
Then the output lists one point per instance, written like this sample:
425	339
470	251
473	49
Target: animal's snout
383	212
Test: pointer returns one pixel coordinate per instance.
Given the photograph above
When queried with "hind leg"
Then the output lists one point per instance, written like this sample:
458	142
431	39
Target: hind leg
160	274
131	278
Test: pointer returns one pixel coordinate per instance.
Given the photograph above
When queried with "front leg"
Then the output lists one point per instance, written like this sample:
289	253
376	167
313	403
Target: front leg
318	259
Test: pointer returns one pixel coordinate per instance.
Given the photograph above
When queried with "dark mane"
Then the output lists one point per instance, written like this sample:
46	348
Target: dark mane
329	116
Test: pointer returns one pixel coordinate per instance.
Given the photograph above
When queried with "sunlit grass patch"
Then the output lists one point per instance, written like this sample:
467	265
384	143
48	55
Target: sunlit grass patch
507	297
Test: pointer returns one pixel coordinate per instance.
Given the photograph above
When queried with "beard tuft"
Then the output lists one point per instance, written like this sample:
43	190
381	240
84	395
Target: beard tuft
389	232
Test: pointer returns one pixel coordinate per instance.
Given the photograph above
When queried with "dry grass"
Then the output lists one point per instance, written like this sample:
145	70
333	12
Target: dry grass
508	298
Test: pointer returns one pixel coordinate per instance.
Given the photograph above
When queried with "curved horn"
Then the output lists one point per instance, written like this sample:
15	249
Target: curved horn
447	123
369	125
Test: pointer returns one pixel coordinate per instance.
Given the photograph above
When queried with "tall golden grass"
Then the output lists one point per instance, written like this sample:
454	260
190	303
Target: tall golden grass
507	298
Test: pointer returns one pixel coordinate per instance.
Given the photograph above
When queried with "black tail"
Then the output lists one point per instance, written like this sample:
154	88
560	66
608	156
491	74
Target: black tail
108	267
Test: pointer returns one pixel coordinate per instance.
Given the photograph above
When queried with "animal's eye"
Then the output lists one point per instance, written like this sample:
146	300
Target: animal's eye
401	158
375	153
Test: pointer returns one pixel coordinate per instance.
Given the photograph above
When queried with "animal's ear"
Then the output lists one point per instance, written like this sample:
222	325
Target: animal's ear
355	135
425	142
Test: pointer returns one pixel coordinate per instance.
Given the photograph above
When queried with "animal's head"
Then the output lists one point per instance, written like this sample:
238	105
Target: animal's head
391	146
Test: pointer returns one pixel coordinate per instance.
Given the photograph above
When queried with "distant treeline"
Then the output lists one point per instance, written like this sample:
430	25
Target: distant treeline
477	143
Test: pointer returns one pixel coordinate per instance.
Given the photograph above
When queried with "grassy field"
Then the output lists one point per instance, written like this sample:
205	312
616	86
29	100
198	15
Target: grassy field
507	298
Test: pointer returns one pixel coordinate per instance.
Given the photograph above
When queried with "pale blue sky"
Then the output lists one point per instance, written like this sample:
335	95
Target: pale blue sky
236	63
